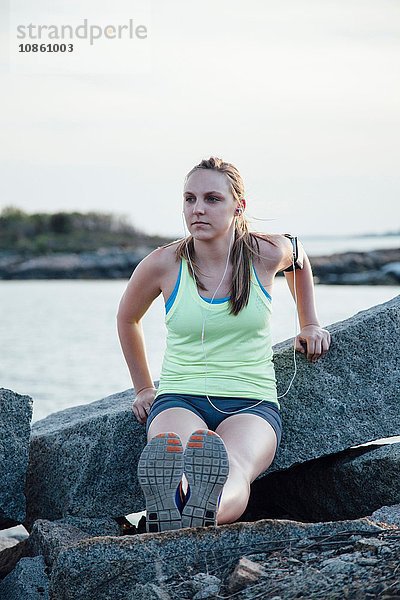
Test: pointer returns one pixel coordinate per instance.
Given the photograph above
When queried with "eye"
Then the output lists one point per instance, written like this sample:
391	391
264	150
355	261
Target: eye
189	199
212	199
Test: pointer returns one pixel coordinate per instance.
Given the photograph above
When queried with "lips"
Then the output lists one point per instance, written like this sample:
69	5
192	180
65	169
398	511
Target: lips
199	223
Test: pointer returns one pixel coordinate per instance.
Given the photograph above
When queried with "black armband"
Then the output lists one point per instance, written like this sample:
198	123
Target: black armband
298	261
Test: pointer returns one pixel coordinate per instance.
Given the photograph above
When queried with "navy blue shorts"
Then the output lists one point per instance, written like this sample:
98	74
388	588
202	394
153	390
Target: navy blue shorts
201	407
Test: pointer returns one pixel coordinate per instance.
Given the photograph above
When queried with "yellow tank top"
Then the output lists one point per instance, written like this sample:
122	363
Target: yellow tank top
238	347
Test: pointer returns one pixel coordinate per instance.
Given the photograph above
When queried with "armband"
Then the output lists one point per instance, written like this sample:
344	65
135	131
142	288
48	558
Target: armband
298	262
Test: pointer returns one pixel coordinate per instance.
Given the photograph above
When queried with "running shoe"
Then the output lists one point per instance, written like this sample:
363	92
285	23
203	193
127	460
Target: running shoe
206	467
160	471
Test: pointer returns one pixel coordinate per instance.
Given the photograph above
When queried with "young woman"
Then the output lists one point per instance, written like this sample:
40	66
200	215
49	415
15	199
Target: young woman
214	423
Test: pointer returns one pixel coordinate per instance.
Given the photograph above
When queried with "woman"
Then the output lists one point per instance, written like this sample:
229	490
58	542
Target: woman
214	423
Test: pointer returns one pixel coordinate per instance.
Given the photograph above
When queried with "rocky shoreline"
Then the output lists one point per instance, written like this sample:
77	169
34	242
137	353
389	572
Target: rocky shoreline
377	267
323	522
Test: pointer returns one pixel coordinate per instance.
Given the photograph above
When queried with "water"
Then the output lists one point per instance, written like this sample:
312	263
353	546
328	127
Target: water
59	340
323	246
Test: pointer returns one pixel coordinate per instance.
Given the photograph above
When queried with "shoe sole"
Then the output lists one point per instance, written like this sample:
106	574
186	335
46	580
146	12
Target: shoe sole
206	467
160	471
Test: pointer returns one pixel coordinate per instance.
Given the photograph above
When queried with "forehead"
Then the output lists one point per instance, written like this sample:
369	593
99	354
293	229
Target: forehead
207	179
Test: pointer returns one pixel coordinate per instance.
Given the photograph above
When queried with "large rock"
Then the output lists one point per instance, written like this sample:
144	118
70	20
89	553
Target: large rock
347	485
349	397
102	568
15	420
27	581
83	460
389	515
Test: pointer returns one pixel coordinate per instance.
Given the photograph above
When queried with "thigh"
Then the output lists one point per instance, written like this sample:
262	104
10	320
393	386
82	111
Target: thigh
179	420
251	443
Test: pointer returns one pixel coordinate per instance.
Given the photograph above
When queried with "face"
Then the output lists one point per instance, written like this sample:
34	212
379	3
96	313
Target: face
208	204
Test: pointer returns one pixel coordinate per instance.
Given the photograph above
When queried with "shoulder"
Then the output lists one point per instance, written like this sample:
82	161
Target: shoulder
165	256
277	248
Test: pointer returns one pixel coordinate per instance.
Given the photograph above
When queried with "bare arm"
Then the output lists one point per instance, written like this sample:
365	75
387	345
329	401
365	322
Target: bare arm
312	338
133	347
306	308
142	289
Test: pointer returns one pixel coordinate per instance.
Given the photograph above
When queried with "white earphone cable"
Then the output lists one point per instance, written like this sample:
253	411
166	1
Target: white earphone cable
205	317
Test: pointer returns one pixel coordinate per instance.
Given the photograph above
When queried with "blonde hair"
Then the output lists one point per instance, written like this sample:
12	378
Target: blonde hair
245	244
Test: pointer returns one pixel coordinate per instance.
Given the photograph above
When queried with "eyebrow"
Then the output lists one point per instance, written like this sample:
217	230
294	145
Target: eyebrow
206	194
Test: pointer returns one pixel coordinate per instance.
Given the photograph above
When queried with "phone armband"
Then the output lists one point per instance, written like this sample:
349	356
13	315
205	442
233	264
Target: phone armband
298	261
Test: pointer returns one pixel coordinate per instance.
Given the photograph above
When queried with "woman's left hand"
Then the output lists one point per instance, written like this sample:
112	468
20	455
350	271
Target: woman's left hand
316	341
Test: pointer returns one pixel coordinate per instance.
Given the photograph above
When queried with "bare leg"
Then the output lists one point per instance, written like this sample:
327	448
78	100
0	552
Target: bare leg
251	444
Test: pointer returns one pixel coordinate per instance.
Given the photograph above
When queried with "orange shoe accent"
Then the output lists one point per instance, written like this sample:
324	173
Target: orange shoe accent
172	435
195	445
172	449
196	437
160	435
211	433
174	441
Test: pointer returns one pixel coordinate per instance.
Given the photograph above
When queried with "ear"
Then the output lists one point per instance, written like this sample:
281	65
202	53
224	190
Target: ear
243	204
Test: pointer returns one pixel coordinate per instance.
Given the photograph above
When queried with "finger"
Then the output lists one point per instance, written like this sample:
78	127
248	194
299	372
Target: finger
136	413
299	346
325	346
139	413
310	349
317	350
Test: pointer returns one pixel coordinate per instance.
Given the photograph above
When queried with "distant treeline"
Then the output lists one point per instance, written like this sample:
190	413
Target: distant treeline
43	233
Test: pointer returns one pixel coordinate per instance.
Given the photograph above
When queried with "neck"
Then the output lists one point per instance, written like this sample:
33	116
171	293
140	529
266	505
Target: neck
213	253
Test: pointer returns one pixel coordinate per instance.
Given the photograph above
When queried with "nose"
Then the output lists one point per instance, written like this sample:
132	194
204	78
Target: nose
198	208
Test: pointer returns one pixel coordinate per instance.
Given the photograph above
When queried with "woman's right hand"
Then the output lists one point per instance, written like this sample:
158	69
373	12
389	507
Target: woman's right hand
142	403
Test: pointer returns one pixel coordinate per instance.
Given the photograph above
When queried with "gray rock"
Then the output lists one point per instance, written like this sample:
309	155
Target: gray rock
205	586
346	398
28	581
93	527
148	591
83	460
357	267
347	485
48	538
387	514
15	419
101	568
10	556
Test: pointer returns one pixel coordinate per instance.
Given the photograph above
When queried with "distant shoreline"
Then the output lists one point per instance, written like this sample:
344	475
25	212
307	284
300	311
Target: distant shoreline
375	267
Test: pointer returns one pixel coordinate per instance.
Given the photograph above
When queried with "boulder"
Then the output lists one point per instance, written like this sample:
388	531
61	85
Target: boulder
389	515
15	420
117	567
83	460
47	538
347	397
28	580
347	485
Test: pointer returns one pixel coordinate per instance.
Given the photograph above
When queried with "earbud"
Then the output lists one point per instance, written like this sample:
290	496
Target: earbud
238	211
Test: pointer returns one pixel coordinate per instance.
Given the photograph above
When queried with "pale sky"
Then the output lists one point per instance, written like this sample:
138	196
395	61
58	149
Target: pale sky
302	96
